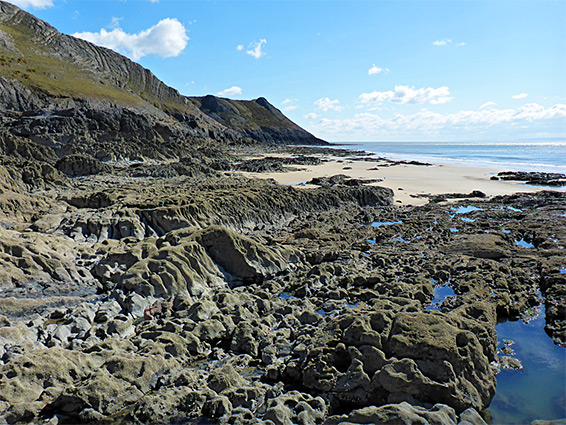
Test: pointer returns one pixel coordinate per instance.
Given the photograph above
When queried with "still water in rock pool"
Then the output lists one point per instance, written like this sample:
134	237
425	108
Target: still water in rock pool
524	243
464	210
538	390
441	293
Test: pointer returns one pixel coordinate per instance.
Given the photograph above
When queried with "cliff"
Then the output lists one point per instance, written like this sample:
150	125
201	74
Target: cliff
75	97
257	119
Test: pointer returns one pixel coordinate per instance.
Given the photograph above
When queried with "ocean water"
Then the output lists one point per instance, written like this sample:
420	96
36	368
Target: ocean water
512	156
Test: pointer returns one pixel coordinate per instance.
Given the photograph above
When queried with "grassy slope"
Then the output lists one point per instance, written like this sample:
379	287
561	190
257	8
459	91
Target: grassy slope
255	116
36	65
54	76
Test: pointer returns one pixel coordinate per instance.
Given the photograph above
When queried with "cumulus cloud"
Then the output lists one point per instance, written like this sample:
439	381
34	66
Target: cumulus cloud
167	38
36	4
240	47
231	91
444	42
374	70
310	116
520	96
255	48
488	104
325	104
406	94
428	122
288	106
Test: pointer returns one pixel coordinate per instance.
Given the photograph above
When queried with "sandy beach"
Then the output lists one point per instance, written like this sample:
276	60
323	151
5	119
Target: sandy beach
408	181
193	254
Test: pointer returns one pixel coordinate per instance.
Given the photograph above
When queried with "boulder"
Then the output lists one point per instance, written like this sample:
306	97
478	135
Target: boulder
484	245
242	258
397	414
80	165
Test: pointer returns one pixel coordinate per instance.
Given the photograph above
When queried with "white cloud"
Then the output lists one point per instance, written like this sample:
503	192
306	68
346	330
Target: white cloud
240	47
36	4
256	48
154	1
406	94
115	23
374	70
427	122
520	96
487	104
289	107
310	116
444	42
231	91
167	38
326	104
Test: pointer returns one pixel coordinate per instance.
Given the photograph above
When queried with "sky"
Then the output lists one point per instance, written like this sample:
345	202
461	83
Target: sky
423	70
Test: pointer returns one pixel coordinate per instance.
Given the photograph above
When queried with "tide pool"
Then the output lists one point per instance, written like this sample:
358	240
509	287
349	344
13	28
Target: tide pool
538	391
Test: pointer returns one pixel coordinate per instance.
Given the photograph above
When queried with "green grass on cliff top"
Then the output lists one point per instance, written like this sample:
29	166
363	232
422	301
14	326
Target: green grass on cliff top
53	75
255	115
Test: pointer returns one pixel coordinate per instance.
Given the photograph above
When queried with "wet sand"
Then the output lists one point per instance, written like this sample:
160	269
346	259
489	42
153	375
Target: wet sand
408	181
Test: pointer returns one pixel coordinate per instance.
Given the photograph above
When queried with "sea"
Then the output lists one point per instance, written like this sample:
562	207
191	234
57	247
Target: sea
546	156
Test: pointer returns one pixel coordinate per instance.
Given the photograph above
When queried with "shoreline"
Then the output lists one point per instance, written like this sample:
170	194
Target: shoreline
270	287
410	182
380	149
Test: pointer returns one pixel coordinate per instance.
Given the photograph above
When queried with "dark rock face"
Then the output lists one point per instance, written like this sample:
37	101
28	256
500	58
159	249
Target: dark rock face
109	107
80	165
534	178
276	164
214	105
256	119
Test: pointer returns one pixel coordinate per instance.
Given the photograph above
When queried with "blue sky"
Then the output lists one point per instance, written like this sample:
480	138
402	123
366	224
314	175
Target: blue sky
351	70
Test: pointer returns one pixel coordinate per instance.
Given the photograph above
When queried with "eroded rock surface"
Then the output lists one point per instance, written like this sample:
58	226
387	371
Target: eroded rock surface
176	299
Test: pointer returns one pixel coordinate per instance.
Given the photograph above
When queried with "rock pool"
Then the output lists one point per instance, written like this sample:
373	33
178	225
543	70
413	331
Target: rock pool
538	390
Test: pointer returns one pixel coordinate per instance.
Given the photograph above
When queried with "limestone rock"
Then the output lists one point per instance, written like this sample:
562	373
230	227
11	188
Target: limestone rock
397	414
80	165
242	258
454	367
481	246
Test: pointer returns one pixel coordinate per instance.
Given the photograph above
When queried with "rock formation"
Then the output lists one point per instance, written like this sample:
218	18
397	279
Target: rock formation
78	98
163	286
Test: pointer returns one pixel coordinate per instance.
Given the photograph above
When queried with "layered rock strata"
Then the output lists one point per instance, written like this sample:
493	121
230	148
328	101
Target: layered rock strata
174	299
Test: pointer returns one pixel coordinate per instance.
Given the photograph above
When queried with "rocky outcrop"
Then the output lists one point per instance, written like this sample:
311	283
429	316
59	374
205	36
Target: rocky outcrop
404	413
257	119
241	301
36	265
384	357
176	290
75	97
533	178
80	165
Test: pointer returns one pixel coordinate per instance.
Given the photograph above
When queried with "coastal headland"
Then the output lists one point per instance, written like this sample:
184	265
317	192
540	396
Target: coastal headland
175	260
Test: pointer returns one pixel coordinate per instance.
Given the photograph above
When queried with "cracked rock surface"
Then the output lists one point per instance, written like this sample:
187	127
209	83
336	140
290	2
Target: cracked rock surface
236	301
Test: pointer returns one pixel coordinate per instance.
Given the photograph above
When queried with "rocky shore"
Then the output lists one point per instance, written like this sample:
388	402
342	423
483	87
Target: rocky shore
180	292
154	271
